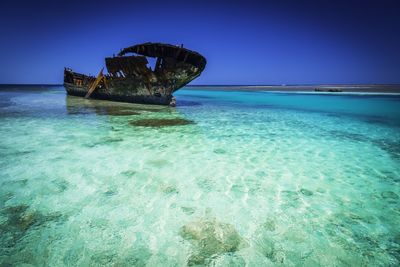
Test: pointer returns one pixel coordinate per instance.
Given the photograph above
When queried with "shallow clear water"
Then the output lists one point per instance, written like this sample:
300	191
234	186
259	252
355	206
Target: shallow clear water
244	178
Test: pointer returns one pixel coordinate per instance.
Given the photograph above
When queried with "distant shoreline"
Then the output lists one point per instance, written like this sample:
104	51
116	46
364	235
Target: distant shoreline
355	88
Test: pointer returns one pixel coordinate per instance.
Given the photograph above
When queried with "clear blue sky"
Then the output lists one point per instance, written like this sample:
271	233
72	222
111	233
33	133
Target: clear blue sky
245	42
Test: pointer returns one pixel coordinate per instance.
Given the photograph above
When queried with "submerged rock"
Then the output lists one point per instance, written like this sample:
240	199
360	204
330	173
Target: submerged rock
267	247
229	259
264	240
210	238
128	173
168	189
290	197
219	151
138	254
269	225
103	258
306	192
161	122
389	195
188	210
18	220
60	185
390	146
110	193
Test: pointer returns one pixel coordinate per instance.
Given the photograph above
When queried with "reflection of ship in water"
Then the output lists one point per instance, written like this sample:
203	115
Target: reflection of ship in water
77	105
142	115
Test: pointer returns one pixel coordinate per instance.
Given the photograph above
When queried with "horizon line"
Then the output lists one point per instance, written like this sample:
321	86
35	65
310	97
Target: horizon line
252	85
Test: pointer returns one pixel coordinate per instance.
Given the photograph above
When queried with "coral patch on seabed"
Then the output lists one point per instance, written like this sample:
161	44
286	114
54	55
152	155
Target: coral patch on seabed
210	239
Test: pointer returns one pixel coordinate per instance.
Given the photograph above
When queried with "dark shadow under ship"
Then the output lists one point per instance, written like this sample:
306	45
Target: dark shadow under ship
130	79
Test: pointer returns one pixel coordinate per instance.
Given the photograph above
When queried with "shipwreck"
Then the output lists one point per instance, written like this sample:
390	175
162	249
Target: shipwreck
131	78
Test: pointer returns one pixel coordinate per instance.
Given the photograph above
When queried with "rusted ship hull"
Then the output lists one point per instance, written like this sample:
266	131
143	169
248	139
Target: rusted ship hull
114	94
131	79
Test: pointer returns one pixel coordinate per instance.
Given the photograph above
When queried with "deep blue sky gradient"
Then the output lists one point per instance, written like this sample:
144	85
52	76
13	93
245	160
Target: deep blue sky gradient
245	42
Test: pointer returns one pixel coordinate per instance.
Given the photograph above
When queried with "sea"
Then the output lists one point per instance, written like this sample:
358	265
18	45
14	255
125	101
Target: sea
225	178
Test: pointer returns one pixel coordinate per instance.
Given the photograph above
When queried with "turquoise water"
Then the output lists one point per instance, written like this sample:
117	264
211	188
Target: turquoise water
224	179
